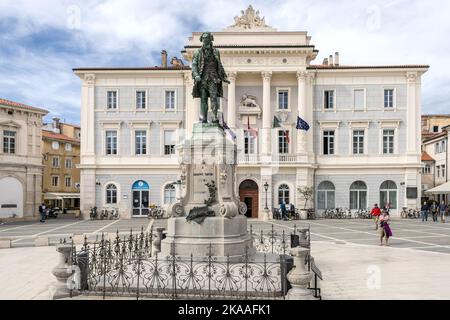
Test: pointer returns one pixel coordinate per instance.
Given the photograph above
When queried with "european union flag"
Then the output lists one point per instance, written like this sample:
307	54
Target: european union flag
302	124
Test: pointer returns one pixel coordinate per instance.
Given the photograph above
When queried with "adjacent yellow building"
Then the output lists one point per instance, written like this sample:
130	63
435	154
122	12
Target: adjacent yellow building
61	156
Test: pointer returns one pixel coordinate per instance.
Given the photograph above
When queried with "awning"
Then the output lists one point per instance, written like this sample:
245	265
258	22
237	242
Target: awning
60	196
442	189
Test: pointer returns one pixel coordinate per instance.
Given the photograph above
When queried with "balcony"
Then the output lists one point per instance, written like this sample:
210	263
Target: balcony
248	159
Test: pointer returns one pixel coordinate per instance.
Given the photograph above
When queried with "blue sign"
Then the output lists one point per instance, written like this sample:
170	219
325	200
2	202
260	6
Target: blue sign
140	185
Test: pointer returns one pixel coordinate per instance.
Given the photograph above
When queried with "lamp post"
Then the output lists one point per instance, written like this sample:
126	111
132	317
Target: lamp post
266	187
266	209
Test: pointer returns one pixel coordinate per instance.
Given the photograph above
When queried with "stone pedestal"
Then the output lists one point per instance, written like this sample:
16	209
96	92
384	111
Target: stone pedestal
209	212
62	272
299	277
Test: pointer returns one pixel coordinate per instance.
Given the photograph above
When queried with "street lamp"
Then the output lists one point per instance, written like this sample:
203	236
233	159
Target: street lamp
266	187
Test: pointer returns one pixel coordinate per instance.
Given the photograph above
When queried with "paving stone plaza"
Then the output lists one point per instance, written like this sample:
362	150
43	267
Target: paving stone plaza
348	254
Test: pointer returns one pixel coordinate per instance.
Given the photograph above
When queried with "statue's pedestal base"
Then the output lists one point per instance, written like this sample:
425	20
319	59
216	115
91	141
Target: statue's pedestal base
223	236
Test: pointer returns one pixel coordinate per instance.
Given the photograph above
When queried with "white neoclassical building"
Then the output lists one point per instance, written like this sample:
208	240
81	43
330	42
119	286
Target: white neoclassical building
363	145
20	160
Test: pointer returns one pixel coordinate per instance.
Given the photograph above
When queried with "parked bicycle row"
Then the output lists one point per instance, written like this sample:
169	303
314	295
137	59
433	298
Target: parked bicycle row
113	213
104	214
345	213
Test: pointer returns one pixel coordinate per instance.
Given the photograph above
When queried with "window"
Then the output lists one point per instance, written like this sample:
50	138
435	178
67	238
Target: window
169	142
326	196
389	98
170	100
111	194
111	142
437	148
438	171
329	99
358	195
68	147
435	129
283	102
358	142
9	142
111	98
249	143
388	194
283	194
328	142
169	194
388	141
426	169
283	143
55	181
443	171
55	145
68	181
358	99
443	146
55	162
141	142
140	99
68	163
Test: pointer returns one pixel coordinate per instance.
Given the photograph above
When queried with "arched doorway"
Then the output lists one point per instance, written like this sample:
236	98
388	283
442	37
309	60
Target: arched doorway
249	194
11	198
141	195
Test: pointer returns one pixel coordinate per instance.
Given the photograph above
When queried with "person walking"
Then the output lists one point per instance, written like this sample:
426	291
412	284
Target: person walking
424	210
292	211
376	212
283	211
385	229
433	210
442	209
42	212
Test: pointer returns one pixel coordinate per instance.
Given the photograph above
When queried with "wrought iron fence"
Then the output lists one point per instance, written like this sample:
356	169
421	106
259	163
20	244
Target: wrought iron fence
129	266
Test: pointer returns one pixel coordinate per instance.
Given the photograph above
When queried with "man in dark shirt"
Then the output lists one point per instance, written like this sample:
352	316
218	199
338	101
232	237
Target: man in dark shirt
424	210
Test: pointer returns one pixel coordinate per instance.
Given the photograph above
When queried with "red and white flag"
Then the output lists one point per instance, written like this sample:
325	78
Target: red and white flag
253	132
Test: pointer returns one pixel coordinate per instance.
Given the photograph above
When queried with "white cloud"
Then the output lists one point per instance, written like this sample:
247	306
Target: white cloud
133	32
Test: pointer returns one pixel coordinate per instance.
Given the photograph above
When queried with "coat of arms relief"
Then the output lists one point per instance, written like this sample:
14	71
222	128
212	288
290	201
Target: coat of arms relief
249	20
249	106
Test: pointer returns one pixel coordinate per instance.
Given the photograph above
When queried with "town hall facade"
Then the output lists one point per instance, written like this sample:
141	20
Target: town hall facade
362	148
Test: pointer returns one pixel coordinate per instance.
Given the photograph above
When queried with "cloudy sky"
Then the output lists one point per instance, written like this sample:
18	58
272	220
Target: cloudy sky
42	40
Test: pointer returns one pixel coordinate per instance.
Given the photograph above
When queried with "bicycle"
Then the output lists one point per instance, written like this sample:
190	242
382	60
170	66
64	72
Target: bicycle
93	213
114	214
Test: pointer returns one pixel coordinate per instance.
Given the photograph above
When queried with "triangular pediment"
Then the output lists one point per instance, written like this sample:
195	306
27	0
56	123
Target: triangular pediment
10	124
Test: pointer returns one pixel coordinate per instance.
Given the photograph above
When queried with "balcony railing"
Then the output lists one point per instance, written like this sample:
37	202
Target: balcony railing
276	158
248	159
284	158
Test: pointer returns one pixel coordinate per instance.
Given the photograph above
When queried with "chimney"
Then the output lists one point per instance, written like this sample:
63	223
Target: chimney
164	58
325	62
336	58
55	125
330	60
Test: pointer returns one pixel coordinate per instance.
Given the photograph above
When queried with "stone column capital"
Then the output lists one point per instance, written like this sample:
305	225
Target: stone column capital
301	75
188	79
266	75
411	77
89	79
232	75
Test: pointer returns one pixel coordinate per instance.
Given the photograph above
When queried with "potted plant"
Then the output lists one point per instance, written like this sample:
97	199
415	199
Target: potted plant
307	193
